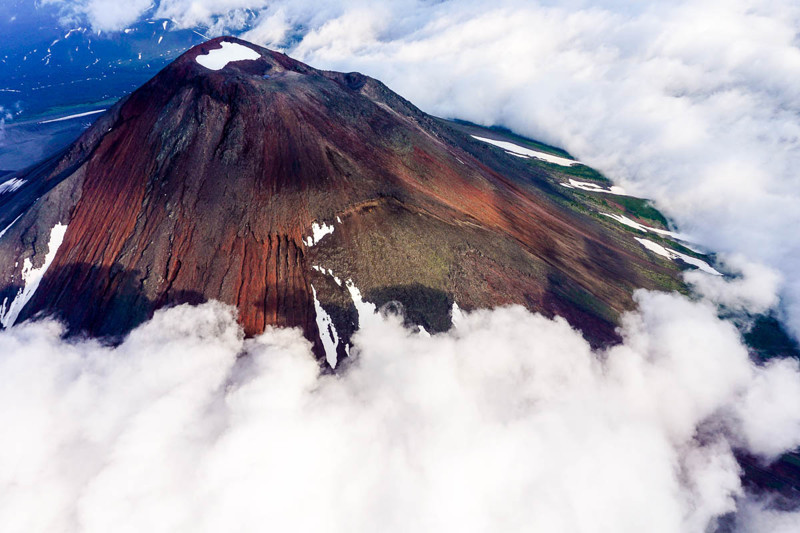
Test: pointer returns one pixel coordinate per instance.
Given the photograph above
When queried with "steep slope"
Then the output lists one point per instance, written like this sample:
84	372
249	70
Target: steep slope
226	183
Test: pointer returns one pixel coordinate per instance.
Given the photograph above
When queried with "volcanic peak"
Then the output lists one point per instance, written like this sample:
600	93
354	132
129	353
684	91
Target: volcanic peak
208	183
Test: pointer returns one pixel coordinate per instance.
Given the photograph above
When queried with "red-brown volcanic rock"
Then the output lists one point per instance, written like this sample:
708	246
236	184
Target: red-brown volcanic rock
204	184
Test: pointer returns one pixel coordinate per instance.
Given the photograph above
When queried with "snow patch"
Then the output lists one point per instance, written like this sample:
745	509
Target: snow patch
327	333
9	226
456	315
217	59
11	185
593	187
520	151
329	272
31	277
367	314
318	231
672	254
366	311
641	227
70	117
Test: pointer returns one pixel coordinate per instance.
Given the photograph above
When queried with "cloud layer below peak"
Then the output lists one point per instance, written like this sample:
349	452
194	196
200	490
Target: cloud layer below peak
508	422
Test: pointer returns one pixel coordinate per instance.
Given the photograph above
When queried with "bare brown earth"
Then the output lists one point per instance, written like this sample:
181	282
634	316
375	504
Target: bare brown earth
204	184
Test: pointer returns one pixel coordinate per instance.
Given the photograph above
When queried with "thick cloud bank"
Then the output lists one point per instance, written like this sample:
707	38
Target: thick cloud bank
693	103
509	422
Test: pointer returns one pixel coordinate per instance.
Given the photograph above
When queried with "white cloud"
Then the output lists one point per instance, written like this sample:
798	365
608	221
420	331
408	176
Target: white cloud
754	288
105	15
767	412
508	422
763	515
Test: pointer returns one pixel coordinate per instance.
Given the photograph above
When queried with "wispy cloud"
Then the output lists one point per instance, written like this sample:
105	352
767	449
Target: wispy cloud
102	15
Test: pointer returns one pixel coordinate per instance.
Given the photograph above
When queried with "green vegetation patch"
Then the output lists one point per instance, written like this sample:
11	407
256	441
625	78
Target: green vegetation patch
530	143
519	139
637	208
582	173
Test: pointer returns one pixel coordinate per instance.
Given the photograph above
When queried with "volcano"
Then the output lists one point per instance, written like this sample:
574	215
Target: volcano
298	195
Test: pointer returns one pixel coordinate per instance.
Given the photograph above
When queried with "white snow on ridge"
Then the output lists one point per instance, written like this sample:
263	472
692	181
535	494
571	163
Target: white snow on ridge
218	58
70	117
593	187
9	226
521	151
672	254
641	227
328	272
327	333
367	315
11	185
366	311
654	247
318	231
31	277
